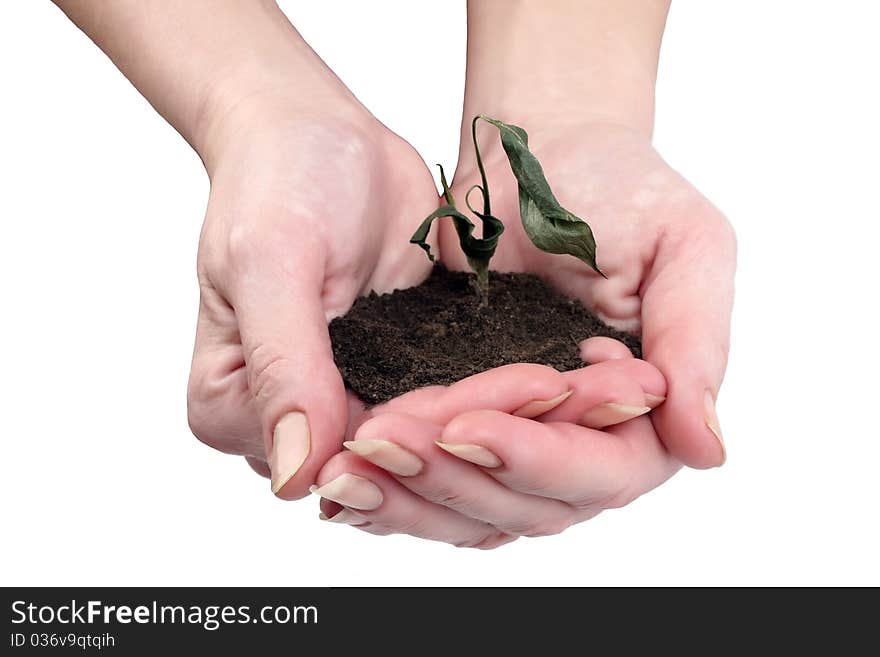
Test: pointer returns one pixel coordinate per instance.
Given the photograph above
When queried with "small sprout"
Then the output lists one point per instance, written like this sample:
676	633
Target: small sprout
478	251
549	226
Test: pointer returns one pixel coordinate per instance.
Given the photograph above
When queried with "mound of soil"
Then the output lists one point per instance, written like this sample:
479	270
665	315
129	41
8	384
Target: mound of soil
438	333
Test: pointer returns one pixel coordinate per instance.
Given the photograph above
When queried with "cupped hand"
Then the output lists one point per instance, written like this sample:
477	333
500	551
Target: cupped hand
668	253
670	257
514	451
304	215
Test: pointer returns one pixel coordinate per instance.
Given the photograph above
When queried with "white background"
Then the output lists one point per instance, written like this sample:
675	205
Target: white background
771	108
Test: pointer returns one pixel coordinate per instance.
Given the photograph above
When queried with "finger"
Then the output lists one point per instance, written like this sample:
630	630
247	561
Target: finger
291	374
686	309
338	514
630	386
373	494
333	512
406	447
648	378
523	389
609	393
599	349
259	466
587	468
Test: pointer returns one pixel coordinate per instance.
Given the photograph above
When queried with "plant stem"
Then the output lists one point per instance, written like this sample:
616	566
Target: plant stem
484	188
481	285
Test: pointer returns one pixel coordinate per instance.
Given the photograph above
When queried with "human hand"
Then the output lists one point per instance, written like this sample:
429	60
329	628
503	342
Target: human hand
586	100
576	471
669	256
468	465
310	196
305	214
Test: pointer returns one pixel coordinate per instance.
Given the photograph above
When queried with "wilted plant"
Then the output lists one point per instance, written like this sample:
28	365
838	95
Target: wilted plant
551	227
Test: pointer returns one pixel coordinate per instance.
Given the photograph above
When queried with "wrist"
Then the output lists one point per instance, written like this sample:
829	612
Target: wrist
251	109
271	90
563	64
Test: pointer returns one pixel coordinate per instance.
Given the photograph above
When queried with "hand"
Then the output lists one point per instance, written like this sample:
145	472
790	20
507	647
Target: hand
586	98
668	253
669	260
311	202
305	214
469	465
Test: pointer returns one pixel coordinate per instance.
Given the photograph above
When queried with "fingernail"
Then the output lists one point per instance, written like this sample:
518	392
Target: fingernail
387	455
541	406
604	415
654	400
291	444
344	517
473	453
714	425
351	490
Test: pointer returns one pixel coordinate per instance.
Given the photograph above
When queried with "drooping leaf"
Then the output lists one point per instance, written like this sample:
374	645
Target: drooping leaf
477	250
551	227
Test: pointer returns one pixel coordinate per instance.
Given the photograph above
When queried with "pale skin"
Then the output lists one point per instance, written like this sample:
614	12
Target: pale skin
524	450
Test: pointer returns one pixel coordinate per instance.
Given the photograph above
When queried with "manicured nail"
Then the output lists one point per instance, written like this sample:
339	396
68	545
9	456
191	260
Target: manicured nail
714	425
291	444
473	453
541	406
387	455
350	490
604	415
344	517
654	400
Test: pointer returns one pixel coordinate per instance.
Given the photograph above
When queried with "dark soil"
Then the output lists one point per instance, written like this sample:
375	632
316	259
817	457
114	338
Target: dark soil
437	333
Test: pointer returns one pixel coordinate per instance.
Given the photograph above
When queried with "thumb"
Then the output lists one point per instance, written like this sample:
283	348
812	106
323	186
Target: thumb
298	391
686	307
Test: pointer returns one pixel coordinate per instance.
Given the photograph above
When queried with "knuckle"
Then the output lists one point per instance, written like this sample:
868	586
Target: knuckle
266	370
488	542
244	244
214	417
202	420
197	420
585	515
539	483
372	424
199	397
726	232
375	529
451	498
542	527
617	500
721	236
414	526
204	386
591	502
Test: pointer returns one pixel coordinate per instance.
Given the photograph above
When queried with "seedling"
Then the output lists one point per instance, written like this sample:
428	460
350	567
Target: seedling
551	227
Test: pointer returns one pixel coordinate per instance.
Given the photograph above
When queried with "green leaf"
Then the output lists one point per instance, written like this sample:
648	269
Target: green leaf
551	227
477	250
